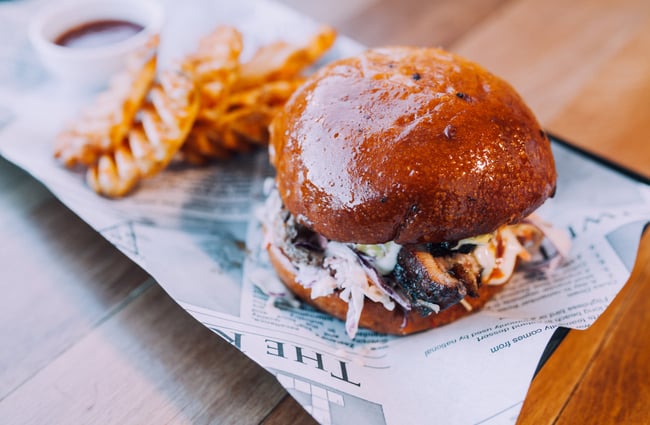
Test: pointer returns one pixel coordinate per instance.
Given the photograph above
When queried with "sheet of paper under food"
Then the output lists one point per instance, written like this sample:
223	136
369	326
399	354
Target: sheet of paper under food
196	231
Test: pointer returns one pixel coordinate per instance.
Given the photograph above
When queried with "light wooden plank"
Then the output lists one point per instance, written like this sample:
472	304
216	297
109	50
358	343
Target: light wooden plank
10	174
413	22
330	12
565	371
288	411
610	115
58	278
606	115
20	193
548	50
149	363
616	385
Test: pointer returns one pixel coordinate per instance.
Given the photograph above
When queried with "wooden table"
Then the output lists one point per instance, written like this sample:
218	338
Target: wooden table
88	337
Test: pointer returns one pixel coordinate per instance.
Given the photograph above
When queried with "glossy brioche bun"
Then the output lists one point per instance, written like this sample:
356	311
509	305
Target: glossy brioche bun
374	316
410	145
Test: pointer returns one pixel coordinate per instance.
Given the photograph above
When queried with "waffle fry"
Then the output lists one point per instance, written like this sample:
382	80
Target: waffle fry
250	124
215	65
284	61
211	108
202	145
273	93
242	126
102	126
262	85
163	126
236	132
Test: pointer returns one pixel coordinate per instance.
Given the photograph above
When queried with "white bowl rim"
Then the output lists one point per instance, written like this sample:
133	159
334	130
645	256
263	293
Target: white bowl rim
153	25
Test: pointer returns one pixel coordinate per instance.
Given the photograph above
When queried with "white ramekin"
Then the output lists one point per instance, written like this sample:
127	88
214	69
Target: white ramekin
90	66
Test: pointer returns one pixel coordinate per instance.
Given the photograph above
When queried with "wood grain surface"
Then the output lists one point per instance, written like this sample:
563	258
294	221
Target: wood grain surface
88	337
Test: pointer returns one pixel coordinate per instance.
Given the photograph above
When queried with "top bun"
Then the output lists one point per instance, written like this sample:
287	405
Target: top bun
409	145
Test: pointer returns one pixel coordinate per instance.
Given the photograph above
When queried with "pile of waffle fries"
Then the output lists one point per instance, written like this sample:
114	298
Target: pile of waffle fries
209	106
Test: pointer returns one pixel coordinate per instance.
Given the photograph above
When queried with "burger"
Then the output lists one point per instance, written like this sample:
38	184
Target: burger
405	182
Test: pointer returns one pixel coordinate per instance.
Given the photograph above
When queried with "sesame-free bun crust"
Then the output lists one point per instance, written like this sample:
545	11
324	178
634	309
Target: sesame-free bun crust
374	316
410	145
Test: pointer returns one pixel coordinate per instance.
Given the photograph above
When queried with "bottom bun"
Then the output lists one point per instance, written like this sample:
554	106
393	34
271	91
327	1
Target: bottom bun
374	316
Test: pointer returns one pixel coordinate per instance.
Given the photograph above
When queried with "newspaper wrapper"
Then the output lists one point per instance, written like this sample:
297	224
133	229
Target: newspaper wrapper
195	231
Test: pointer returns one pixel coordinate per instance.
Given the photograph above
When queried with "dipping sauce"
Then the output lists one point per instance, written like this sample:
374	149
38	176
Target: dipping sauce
98	33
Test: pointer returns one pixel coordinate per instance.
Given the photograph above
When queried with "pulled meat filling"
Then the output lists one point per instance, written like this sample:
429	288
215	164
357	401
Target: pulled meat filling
426	278
443	280
430	277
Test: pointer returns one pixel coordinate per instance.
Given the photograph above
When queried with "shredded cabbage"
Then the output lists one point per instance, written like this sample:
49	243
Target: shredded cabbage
352	278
